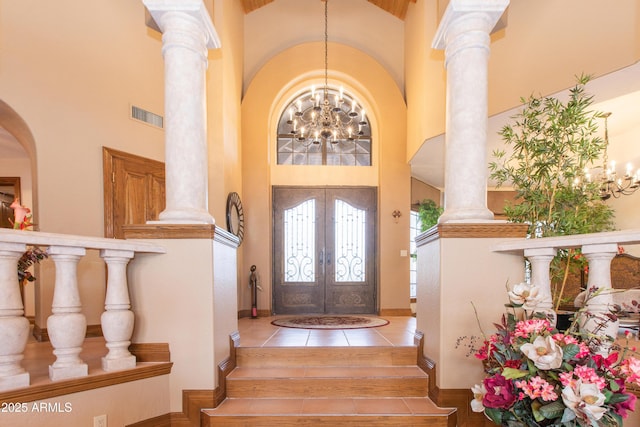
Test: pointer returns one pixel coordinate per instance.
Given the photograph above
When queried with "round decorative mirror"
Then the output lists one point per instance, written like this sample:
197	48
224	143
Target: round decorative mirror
235	216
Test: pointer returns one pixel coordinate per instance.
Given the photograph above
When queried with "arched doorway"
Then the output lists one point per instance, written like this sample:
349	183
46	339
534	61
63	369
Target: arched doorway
18	162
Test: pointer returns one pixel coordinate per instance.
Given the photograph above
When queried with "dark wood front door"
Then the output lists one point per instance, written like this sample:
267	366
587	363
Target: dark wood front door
324	250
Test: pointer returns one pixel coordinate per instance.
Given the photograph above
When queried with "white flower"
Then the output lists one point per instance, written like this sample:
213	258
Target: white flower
585	400
524	294
544	352
478	391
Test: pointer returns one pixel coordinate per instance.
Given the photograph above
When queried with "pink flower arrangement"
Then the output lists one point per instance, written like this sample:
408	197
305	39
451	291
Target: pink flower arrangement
22	219
538	376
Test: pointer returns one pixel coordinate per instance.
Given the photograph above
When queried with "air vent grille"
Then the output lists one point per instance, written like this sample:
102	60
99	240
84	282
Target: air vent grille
148	117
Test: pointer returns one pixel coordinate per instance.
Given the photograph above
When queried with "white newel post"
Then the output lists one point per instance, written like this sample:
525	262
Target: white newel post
187	34
540	260
599	257
67	326
14	327
463	33
117	320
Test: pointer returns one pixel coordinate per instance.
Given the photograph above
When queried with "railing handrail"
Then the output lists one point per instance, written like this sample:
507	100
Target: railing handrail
67	323
631	236
54	239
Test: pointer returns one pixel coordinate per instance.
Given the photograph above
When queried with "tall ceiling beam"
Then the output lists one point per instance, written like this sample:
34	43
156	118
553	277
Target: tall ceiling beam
397	8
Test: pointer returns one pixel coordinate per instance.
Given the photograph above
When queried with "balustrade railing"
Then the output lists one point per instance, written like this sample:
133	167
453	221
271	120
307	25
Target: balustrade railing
67	324
598	248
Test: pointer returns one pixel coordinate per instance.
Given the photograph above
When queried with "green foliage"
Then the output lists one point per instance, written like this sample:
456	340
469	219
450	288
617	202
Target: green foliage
552	143
429	213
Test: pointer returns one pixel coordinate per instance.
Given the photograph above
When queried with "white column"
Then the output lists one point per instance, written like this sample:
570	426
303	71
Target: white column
67	326
540	260
599	257
14	327
464	35
187	35
117	320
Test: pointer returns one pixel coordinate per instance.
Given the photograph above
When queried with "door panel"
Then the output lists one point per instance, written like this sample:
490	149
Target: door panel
350	256
297	250
133	190
324	250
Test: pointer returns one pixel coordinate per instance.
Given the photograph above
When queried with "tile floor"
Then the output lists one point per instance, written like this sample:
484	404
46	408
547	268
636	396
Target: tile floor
261	333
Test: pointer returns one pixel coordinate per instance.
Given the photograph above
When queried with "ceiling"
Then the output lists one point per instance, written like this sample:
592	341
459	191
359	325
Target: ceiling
397	8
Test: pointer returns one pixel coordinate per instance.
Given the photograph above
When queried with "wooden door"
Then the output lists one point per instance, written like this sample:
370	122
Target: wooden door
324	250
134	190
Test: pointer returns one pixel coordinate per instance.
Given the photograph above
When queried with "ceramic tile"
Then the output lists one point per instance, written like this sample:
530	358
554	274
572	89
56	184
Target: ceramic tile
328	406
381	406
260	332
276	406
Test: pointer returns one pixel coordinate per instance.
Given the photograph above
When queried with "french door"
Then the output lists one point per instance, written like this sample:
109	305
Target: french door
324	250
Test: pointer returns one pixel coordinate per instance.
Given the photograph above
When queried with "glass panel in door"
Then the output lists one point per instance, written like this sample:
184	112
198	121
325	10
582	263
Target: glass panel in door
297	259
324	250
350	261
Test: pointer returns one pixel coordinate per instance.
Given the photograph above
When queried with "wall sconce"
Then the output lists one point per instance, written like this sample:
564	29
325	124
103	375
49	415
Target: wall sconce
396	215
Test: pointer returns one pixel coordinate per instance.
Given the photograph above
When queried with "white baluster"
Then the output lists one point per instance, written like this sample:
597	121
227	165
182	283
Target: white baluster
14	327
599	257
118	319
67	326
540	260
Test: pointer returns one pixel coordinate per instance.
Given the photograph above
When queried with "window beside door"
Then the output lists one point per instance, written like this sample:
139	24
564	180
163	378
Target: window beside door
414	230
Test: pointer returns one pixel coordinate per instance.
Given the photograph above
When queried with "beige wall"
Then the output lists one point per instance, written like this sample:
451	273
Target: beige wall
151	399
73	83
421	191
273	86
75	69
523	59
425	76
445	294
224	90
187	298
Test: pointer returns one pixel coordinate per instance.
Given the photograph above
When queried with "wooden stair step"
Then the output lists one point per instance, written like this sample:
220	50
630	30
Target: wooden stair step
328	372
326	387
354	381
325	356
396	411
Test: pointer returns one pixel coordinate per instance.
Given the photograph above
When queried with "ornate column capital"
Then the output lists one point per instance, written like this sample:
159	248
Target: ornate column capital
468	15
193	8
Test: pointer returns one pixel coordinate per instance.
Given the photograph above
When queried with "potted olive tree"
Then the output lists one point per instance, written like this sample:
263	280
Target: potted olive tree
551	145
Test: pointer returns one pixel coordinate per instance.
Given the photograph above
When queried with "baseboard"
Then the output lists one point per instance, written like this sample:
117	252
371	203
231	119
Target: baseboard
247	313
194	401
41	334
151	352
448	398
395	312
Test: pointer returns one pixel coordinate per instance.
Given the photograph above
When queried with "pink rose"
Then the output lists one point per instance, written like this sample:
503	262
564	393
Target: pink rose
500	393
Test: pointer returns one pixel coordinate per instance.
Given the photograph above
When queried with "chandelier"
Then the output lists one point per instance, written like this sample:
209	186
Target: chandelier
610	184
326	116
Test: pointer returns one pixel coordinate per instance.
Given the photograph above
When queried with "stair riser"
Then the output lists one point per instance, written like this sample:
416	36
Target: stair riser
323	356
328	387
321	420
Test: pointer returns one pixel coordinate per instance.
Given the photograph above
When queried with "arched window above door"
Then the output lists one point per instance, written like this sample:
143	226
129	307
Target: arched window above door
324	127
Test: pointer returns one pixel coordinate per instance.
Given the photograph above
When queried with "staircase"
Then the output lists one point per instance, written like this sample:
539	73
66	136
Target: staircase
327	386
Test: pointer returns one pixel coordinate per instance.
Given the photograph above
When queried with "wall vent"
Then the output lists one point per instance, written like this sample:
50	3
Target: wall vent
148	117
